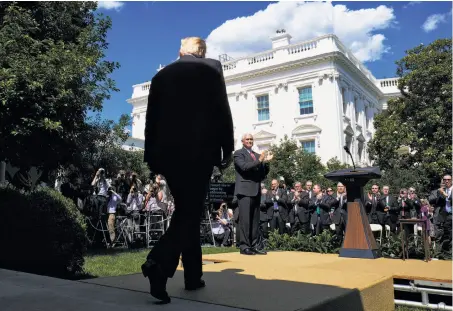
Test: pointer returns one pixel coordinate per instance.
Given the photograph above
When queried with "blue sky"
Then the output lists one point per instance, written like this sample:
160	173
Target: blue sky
146	34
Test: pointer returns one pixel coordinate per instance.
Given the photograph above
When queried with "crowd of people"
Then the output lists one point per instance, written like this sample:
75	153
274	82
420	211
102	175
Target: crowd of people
125	195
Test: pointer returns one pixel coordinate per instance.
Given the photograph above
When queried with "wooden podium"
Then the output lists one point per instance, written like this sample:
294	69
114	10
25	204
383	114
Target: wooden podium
359	240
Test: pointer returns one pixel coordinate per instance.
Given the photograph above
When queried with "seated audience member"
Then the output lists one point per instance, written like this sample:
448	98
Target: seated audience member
221	226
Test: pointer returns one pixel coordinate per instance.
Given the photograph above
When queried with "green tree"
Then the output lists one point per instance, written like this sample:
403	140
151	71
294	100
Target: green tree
53	71
229	174
415	132
101	146
294	164
334	164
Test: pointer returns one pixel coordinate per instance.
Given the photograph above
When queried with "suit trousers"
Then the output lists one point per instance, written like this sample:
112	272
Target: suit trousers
249	220
183	234
277	222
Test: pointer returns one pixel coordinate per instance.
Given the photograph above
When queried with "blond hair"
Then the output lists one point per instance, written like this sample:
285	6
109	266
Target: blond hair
193	45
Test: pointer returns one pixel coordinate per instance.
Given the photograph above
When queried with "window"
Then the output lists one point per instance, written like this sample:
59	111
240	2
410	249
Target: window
305	100
263	107
356	111
308	146
343	100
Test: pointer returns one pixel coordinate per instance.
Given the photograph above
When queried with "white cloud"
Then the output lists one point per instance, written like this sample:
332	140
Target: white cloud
110	5
433	21
411	3
355	28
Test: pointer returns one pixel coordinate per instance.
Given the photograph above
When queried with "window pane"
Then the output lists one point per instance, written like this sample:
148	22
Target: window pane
263	107
308	146
305	100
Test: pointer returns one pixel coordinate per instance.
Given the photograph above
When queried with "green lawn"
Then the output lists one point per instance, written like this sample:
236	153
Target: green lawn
119	262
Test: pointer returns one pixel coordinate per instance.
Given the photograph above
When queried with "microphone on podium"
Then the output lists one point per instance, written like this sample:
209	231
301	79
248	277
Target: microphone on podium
349	152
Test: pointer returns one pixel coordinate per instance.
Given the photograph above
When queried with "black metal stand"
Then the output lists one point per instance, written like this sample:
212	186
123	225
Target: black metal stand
207	210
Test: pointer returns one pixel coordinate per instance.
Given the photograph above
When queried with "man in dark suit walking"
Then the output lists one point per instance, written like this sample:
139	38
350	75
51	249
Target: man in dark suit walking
189	129
251	168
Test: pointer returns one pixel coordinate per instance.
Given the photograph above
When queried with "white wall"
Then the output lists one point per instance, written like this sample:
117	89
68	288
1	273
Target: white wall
328	125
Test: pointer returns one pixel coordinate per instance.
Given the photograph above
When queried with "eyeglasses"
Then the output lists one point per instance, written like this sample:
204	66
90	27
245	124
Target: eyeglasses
329	190
446	179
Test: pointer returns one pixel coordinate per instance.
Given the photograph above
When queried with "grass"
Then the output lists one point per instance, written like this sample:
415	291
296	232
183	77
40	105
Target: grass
124	261
404	308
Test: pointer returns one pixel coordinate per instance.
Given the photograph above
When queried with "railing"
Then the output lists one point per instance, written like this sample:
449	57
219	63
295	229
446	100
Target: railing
272	57
293	52
391	82
141	89
424	291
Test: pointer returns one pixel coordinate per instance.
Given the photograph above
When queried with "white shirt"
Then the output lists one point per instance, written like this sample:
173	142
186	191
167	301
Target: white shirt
103	186
217	227
113	202
134	201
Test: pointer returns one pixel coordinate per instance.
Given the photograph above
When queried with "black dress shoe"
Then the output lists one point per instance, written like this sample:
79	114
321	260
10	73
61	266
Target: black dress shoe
195	285
259	251
247	251
157	281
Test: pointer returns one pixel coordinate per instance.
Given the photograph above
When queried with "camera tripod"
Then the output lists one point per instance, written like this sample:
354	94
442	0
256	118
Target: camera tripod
207	219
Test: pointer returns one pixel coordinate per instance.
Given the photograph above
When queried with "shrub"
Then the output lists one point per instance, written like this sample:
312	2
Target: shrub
42	232
326	243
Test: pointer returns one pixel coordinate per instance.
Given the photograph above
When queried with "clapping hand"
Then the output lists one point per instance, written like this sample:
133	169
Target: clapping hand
269	156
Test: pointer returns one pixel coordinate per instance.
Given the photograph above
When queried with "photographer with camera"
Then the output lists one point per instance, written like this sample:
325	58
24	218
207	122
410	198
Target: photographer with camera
112	202
134	205
101	186
221	226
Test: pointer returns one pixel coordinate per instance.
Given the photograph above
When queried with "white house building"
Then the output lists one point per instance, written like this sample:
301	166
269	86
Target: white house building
316	92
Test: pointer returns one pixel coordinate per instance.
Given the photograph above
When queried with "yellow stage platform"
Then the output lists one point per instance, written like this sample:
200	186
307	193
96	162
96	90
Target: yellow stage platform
289	281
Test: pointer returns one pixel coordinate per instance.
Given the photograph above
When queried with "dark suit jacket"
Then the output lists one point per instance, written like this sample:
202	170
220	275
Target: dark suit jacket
300	211
394	209
341	210
188	119
374	210
439	201
324	204
281	202
411	208
249	173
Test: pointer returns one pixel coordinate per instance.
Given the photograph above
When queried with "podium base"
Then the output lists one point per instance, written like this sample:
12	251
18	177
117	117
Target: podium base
360	253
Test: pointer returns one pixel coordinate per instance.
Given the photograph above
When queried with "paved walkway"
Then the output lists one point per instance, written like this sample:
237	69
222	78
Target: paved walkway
28	292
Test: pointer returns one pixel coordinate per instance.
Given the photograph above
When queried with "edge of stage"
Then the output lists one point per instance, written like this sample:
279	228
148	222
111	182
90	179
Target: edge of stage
288	281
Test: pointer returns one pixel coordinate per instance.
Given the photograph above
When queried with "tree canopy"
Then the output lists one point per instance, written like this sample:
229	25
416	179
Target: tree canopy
53	71
414	134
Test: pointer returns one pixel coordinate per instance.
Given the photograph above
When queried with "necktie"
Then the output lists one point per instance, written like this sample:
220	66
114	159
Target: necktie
341	201
447	203
253	156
